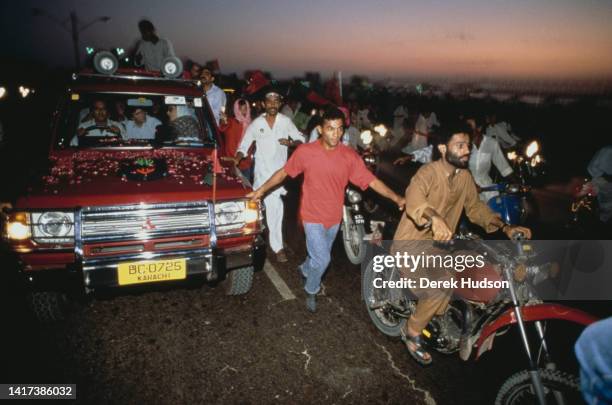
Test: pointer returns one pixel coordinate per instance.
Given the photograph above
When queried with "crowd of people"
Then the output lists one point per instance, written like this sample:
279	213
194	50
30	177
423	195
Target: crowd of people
458	153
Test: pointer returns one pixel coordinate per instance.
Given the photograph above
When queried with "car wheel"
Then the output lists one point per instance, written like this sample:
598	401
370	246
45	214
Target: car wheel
239	281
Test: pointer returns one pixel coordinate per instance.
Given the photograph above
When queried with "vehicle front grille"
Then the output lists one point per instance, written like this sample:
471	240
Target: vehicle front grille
144	222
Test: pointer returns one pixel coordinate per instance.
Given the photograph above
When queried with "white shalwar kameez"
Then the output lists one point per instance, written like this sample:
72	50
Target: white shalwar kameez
270	156
480	164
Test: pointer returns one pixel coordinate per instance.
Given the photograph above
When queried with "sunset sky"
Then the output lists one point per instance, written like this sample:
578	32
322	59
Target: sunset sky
397	39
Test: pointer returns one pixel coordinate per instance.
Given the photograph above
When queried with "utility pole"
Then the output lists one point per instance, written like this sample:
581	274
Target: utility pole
74	30
74	24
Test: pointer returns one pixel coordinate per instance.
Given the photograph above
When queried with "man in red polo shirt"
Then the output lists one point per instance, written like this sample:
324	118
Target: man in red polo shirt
328	167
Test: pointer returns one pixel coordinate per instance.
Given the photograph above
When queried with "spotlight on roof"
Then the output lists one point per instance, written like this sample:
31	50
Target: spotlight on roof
105	63
172	67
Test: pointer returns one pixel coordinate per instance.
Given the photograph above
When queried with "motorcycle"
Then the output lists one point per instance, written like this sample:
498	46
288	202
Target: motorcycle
353	226
513	202
353	221
527	162
476	316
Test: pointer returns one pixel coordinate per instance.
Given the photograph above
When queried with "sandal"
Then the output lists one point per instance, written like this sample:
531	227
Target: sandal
419	352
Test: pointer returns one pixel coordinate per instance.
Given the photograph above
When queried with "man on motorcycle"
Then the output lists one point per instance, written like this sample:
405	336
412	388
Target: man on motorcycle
328	166
435	199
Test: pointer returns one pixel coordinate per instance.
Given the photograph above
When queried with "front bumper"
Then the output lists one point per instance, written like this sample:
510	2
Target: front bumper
205	264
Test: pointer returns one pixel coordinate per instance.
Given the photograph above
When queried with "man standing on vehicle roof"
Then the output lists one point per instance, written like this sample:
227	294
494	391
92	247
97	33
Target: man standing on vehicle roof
328	167
215	96
151	49
270	132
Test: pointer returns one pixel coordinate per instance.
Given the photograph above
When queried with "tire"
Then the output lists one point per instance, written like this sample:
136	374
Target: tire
48	306
387	323
517	389
239	281
353	242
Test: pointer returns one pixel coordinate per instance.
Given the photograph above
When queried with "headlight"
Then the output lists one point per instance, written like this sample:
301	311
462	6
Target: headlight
511	155
354	197
366	137
17	227
381	129
532	149
513	188
53	227
231	216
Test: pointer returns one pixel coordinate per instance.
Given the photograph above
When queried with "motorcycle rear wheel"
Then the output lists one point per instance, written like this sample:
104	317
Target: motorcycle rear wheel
384	319
517	389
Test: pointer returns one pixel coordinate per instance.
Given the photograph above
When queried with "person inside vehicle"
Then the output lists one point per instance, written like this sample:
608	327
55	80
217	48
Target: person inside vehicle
435	198
183	124
99	125
142	126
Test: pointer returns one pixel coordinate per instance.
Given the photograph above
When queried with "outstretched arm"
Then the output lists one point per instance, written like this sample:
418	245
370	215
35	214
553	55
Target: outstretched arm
277	178
382	189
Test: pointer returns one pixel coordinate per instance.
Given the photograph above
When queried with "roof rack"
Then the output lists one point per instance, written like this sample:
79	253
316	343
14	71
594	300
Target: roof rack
76	76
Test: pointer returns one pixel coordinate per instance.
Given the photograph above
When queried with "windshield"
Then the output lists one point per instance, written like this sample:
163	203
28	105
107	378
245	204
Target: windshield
132	120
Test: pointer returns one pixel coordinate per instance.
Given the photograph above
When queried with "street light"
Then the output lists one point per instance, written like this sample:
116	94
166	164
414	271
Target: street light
74	29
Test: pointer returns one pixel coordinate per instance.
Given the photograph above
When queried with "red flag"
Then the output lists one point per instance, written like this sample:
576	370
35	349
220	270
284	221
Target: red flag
216	163
315	98
256	80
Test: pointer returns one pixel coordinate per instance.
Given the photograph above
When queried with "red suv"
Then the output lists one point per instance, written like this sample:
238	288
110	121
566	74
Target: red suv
132	196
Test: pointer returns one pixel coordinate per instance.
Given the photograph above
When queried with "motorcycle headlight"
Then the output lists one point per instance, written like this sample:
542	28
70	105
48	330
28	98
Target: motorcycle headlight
53	227
513	188
532	149
366	137
354	197
381	129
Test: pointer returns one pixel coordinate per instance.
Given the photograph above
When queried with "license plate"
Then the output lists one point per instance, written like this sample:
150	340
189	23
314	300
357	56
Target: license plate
151	271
